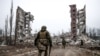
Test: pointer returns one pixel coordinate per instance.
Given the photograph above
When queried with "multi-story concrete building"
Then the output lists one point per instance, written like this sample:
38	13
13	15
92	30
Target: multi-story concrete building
73	12
81	16
22	28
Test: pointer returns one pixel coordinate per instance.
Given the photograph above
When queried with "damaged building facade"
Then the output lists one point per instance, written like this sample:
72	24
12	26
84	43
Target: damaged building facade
73	11
22	27
78	21
81	24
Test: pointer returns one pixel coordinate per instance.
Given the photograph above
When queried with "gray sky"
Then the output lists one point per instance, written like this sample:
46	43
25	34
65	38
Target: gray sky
52	13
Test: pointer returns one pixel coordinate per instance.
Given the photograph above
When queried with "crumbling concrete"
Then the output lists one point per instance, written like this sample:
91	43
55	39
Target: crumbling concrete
22	27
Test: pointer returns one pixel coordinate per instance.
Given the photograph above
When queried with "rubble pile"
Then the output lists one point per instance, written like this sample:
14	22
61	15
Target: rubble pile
14	50
89	41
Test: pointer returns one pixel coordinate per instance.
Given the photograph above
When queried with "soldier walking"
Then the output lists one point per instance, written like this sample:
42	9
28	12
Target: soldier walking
63	42
43	42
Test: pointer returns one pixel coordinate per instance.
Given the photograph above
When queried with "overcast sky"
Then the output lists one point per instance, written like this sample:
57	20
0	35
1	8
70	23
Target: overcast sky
52	13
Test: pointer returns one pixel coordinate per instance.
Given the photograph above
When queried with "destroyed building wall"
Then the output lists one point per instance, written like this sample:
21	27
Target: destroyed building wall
19	31
22	27
81	16
78	21
73	11
28	18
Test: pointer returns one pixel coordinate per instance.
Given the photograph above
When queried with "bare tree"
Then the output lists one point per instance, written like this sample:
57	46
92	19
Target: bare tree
6	27
11	19
94	32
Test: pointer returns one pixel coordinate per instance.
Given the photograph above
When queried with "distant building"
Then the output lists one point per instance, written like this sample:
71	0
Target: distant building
96	38
98	32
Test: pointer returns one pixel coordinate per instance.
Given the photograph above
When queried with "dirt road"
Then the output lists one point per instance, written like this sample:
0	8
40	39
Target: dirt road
68	51
71	51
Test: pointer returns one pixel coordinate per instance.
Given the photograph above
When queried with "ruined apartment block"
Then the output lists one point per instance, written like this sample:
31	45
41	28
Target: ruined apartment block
73	11
23	19
81	16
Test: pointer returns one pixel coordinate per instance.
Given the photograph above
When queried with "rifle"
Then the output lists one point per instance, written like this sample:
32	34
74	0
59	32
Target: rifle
49	50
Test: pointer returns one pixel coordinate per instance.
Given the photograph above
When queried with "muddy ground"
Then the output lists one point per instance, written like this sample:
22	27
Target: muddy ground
56	51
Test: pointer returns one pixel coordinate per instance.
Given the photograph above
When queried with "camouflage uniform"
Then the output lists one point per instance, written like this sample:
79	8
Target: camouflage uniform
43	41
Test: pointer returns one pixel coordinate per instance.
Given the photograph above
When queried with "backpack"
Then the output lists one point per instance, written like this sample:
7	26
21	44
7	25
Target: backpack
42	35
43	38
42	41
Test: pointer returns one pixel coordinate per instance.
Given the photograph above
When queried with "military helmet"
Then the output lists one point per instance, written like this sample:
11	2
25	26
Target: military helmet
43	27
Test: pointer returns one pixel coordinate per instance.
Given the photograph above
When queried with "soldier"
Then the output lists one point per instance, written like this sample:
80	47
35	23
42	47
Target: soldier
63	42
81	43
43	41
